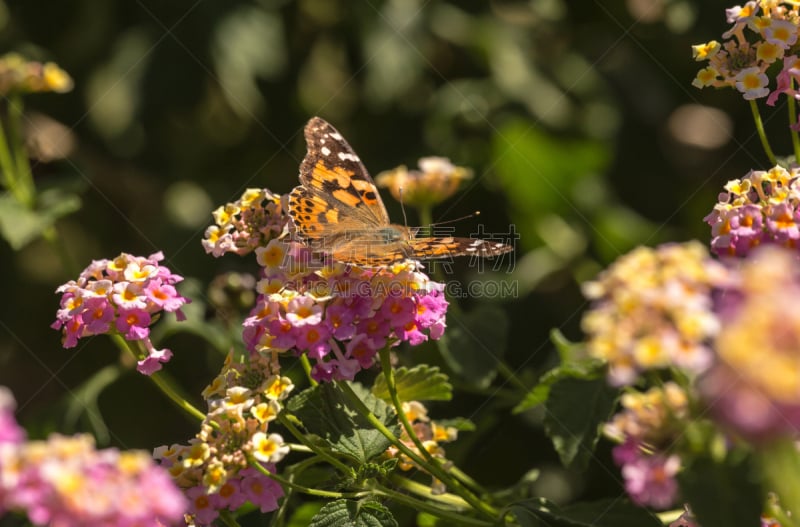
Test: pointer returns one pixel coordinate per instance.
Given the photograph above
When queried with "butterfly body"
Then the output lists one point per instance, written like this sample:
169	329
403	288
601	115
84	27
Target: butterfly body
337	210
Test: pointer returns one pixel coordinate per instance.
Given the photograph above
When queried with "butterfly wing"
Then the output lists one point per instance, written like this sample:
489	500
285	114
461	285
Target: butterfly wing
332	171
365	253
428	248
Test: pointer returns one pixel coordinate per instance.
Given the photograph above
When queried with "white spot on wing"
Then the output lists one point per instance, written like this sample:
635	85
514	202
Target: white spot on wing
325	151
336	136
344	156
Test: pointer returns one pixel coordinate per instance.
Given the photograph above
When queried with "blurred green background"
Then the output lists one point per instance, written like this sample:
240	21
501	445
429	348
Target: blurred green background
578	118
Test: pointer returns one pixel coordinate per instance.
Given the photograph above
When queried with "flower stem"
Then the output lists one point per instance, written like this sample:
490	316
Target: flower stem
307	368
792	107
24	177
425	219
416	504
419	489
228	519
306	490
761	133
509	374
286	422
164	383
7	165
433	468
780	463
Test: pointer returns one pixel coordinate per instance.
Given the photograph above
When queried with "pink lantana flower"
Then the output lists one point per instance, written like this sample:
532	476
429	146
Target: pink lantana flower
123	295
650	481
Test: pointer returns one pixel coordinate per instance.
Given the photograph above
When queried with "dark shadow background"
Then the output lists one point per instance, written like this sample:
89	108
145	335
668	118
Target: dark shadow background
578	118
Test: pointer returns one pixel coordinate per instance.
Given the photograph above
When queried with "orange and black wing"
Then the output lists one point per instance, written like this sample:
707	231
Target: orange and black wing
429	248
332	171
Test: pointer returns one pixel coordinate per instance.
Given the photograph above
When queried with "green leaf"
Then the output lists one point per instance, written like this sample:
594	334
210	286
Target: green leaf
474	343
20	225
348	513
326	412
567	351
85	402
538	512
722	493
586	369
574	412
303	514
420	383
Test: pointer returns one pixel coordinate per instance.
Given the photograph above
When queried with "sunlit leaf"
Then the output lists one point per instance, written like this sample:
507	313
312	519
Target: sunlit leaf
420	383
348	513
327	412
585	369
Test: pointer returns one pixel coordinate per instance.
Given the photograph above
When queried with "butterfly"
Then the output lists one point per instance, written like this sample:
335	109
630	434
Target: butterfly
338	211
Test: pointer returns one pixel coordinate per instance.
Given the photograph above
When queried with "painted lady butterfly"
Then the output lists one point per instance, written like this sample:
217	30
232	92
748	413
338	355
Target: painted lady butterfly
337	210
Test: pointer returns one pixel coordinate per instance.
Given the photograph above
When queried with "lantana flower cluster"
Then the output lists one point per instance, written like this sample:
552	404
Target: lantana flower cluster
340	315
761	208
213	468
430	434
754	386
646	429
653	309
436	180
124	295
66	481
762	33
18	75
245	224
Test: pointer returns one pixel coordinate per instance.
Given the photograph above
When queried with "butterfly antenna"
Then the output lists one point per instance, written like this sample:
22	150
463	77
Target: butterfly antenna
476	213
403	207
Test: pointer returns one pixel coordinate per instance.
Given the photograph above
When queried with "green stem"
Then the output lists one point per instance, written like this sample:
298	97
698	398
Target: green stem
307	368
425	219
467	480
433	468
424	491
761	133
286	422
506	371
388	373
7	165
164	383
306	490
792	106
227	518
446	477
780	464
23	165
456	518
